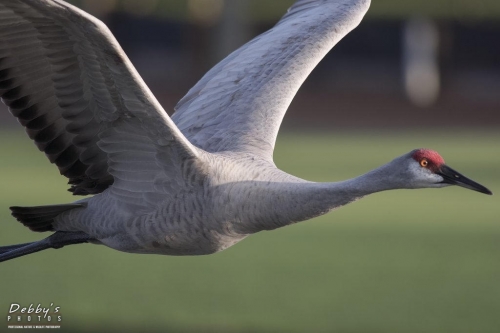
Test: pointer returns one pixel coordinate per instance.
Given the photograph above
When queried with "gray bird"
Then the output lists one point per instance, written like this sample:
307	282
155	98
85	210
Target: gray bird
193	184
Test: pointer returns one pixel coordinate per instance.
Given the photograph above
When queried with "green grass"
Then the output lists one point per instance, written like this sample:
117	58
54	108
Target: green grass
399	261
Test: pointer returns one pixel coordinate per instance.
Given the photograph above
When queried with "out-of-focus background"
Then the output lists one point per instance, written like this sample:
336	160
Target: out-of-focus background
413	74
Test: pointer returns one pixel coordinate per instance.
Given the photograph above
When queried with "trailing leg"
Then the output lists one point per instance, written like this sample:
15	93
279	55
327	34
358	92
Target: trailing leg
55	241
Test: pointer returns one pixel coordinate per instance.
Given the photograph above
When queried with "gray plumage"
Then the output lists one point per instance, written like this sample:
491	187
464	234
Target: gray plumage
192	184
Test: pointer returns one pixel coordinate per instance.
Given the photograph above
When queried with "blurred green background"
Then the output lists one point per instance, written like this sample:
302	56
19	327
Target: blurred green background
399	261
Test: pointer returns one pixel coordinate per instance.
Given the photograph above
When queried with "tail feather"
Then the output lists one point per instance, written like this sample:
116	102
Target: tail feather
40	218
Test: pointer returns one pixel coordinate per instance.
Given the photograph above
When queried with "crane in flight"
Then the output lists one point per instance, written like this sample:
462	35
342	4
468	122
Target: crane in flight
192	184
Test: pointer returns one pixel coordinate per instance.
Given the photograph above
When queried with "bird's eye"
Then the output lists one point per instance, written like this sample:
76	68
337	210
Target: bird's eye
424	163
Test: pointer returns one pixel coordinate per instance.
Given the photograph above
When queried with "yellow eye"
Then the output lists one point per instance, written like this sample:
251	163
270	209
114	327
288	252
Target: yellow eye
424	163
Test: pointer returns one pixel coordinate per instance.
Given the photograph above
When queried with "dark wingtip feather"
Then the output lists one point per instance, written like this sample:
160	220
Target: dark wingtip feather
40	218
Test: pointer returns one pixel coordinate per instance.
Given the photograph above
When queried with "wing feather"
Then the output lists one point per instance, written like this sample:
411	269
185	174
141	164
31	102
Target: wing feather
66	79
239	104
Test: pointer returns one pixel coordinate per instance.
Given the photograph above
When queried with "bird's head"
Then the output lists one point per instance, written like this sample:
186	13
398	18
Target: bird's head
427	169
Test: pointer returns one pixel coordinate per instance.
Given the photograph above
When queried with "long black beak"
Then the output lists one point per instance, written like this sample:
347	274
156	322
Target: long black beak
455	178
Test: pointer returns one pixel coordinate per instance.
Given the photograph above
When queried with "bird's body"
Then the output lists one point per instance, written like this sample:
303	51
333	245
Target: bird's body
213	211
218	209
192	184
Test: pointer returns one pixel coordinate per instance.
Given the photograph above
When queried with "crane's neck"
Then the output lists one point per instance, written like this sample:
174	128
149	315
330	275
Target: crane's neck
286	203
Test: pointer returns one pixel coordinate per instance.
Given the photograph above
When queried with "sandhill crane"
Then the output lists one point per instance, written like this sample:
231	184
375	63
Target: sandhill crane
192	184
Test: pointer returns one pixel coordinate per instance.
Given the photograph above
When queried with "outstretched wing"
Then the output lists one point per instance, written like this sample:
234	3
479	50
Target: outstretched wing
240	103
66	79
